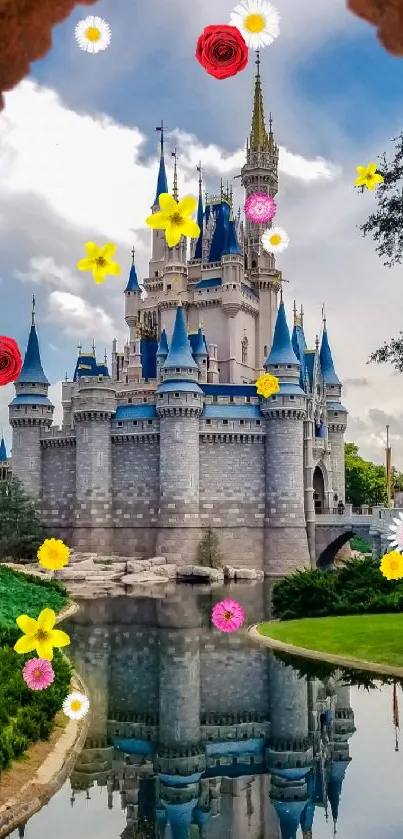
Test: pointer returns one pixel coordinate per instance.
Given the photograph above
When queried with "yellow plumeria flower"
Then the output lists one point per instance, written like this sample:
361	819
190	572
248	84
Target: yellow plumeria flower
368	176
174	218
267	385
39	635
53	554
99	261
392	565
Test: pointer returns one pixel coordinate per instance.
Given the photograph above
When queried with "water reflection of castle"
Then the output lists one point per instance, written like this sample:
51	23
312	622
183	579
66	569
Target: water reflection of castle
204	735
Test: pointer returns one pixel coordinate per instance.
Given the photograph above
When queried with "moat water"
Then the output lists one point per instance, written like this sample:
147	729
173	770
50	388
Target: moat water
198	733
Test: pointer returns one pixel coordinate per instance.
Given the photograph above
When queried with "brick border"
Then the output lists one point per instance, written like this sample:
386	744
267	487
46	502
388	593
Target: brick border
49	779
355	663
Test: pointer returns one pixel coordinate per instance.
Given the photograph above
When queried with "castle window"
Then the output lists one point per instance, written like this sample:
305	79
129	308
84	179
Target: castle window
208	422
177	369
289	366
135	422
130	400
336	414
144	399
155	273
215	399
258	422
34	407
169	287
231	399
225	422
318	389
234	286
195	396
176	395
242	422
292	397
254	263
120	424
161	395
150	422
247	399
244	346
265	350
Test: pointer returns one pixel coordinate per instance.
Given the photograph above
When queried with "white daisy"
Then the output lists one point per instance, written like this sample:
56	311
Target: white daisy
76	705
396	537
258	21
93	34
275	240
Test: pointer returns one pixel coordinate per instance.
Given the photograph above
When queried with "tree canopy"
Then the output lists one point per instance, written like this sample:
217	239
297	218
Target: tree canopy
21	531
386	227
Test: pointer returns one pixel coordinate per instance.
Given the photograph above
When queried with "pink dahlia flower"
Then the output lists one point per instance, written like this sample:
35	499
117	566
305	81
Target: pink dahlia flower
228	615
260	208
38	673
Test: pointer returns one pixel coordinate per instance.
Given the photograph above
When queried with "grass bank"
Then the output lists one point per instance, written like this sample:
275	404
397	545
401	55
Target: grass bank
373	638
26	716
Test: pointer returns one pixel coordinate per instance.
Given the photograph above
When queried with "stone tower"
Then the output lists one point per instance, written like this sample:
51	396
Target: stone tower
286	545
260	174
93	407
30	411
336	416
179	403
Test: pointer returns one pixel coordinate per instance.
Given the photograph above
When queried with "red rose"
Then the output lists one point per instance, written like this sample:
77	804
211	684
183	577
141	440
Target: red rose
222	51
10	360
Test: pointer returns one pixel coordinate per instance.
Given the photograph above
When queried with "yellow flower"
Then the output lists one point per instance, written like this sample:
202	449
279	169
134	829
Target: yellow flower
53	554
367	176
392	565
174	218
39	635
267	385
99	261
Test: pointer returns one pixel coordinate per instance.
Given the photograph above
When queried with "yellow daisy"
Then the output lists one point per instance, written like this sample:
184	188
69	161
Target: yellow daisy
53	554
258	22
93	34
266	385
174	218
99	261
39	635
392	565
368	176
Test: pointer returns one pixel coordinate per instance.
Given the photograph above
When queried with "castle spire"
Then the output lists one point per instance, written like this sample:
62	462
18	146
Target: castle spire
133	283
326	359
175	185
3	450
33	311
32	370
162	183
258	135
200	215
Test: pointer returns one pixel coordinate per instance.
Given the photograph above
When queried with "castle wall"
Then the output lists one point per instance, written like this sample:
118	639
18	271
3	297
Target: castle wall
135	490
26	454
134	669
59	486
336	440
227	671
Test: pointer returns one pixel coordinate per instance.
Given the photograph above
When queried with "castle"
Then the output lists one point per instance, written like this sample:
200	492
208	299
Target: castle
175	440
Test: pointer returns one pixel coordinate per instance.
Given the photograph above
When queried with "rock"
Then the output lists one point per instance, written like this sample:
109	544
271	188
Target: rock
88	574
134	566
248	574
169	571
186	572
155	561
142	577
229	572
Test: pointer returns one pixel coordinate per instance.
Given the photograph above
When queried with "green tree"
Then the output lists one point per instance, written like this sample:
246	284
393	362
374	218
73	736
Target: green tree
386	227
365	481
21	531
209	553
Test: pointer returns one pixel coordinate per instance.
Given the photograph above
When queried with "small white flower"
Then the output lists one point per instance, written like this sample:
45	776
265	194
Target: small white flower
76	705
275	240
93	34
258	22
396	537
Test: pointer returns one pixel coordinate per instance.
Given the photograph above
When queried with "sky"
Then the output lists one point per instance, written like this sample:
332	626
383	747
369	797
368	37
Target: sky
79	157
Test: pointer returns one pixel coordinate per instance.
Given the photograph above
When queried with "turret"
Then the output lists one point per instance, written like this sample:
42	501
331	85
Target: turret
158	236
179	403
213	375
175	270
198	248
286	546
30	414
3	451
260	174
336	415
162	353
201	355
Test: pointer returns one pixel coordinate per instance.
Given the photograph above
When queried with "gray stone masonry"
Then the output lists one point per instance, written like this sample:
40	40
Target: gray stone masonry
94	509
179	471
27	459
336	440
288	702
179	687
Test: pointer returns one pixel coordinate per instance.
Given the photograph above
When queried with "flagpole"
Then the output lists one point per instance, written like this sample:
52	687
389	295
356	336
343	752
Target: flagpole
388	467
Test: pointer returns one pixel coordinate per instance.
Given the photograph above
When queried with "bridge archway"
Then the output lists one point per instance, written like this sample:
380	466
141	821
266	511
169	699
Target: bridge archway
318	490
327	557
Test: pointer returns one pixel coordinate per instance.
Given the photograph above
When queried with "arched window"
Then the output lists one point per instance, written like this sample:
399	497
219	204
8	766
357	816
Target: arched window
244	345
265	351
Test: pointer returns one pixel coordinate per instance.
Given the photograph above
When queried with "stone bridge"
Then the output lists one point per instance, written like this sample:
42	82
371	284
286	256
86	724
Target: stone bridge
334	530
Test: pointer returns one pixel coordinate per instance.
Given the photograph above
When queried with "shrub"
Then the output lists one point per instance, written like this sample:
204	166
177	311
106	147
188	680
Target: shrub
208	553
21	530
359	544
356	587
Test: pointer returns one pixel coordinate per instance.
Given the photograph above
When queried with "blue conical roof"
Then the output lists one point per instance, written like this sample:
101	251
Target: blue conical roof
282	351
200	346
32	372
231	245
3	450
335	784
179	352
163	350
221	214
162	183
326	362
180	818
133	283
289	815
200	218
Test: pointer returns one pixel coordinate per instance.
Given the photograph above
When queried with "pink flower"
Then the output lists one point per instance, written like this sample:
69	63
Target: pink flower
228	615
38	673
260	208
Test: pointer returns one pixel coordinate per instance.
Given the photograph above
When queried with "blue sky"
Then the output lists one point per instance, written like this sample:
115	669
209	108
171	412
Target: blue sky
78	158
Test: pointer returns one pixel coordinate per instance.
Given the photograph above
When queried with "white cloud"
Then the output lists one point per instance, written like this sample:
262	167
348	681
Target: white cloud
44	270
79	318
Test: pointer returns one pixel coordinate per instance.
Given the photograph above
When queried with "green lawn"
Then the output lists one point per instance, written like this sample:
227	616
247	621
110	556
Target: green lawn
376	638
21	595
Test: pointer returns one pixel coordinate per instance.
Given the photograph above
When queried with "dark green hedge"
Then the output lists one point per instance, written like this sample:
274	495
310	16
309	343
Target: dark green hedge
357	587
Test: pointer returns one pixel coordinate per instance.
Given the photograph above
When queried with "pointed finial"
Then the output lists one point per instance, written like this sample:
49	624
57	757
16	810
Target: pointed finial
270	123
199	170
33	311
205	196
324	317
66	377
105	357
93	346
133	252
317	343
295	314
221	188
160	128
301	314
175	185
281	293
79	347
258	63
